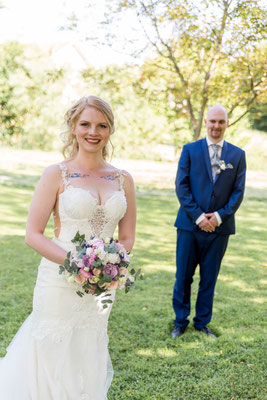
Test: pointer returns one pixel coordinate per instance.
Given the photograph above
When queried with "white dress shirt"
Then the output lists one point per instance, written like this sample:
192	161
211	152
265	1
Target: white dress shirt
220	144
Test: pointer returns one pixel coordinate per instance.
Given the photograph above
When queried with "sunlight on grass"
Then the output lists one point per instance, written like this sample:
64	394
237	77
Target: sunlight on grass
241	285
157	352
259	300
151	268
193	345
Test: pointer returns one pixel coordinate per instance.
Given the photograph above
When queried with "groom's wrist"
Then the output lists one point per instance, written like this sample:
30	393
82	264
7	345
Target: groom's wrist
200	218
217	215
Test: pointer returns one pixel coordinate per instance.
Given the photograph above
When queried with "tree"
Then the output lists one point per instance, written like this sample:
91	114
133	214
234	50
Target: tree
138	125
29	96
258	117
209	50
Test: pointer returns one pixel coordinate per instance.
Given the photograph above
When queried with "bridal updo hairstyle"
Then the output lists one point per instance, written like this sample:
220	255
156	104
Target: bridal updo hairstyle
71	147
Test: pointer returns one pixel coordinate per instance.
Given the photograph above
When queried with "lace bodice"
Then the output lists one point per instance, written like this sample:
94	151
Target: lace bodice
80	211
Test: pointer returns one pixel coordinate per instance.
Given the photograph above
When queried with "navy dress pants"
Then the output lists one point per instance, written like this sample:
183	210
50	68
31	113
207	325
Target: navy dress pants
207	250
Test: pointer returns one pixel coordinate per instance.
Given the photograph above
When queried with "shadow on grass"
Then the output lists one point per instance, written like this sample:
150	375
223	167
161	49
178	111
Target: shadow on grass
8	178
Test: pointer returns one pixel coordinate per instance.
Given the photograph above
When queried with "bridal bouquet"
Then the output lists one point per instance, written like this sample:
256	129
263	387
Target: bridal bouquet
98	266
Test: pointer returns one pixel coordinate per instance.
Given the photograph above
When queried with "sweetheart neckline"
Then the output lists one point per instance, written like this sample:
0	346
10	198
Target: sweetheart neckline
93	197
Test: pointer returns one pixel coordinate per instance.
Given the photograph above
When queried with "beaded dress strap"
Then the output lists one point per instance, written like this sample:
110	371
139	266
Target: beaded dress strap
121	179
64	175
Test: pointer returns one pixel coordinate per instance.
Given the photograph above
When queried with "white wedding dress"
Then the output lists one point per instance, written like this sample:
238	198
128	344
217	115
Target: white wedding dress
61	350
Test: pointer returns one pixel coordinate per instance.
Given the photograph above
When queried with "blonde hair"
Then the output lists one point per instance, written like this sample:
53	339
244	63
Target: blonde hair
71	147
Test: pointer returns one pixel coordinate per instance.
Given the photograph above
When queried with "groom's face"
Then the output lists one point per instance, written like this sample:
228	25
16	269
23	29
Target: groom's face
216	124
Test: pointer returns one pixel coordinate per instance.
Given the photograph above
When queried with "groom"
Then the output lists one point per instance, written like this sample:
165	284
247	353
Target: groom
210	186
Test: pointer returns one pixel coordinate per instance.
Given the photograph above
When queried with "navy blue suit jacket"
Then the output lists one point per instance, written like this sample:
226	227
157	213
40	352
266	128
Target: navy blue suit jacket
198	193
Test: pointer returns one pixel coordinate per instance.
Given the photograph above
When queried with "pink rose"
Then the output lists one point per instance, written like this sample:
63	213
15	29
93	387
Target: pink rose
86	274
97	243
78	262
120	247
104	285
110	285
113	285
124	272
92	258
80	279
92	290
96	271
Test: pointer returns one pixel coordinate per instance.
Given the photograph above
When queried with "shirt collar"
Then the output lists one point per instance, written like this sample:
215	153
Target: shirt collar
209	142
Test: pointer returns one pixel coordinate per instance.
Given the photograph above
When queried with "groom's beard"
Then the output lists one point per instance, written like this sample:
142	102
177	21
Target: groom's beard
216	133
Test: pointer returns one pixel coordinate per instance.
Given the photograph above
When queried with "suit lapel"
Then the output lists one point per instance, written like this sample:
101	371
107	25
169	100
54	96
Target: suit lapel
223	157
207	157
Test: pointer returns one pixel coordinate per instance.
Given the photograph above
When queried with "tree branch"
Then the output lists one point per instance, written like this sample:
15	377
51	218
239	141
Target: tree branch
248	109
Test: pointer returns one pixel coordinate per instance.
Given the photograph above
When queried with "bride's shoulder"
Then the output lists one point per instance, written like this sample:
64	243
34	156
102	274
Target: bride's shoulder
120	173
127	178
126	175
53	172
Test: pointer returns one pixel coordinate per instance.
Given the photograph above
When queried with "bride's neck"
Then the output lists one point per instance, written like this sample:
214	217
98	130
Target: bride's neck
90	161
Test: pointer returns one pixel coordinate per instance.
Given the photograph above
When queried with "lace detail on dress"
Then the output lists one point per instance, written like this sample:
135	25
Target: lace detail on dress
79	210
121	179
64	174
98	221
57	331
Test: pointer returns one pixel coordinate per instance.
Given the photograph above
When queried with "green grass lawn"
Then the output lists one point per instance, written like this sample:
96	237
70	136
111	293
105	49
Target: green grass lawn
148	363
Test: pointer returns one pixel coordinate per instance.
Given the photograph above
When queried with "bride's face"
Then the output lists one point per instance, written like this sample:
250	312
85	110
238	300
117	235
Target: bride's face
92	130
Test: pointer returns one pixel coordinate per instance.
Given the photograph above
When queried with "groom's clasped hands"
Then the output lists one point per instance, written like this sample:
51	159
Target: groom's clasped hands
209	223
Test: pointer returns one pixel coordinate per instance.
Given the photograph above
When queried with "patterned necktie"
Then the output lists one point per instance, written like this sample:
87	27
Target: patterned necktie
214	160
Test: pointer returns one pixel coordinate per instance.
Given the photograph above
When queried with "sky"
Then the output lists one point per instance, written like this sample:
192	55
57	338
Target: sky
38	21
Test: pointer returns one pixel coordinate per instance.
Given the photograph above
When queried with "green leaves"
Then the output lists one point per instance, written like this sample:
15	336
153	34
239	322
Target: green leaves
61	269
105	279
70	267
78	238
97	263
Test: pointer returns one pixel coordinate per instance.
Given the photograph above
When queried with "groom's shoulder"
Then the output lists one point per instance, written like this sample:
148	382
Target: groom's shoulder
194	145
235	148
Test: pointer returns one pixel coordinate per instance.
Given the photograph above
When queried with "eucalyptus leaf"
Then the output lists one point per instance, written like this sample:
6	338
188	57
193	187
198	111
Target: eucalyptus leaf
97	263
66	263
107	278
61	269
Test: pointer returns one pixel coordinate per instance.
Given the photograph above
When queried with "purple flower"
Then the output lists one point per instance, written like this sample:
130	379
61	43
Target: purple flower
86	261
111	269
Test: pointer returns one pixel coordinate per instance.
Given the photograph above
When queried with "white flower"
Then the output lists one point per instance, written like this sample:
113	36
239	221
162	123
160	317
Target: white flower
89	250
112	258
131	278
70	279
100	252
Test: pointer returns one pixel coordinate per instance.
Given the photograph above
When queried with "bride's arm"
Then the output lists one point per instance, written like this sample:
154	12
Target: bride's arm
42	205
128	222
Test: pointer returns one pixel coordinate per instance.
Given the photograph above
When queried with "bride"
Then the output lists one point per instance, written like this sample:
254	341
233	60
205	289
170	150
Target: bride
61	350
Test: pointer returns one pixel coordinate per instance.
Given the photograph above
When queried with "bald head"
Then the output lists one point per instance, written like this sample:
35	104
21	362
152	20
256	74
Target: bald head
217	107
216	122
